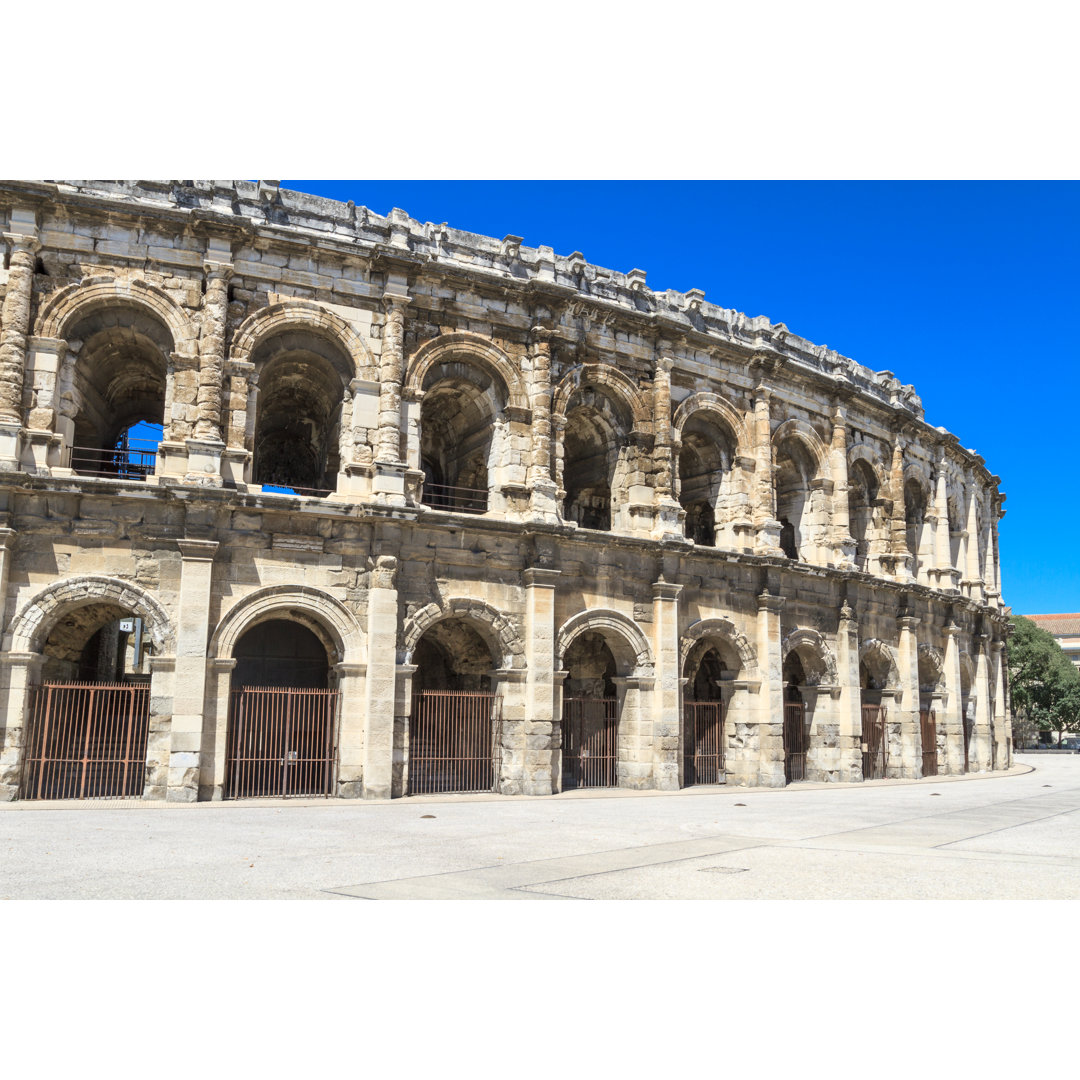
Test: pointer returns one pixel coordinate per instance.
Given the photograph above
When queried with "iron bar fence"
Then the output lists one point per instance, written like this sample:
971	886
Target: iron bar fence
875	742
461	500
928	729
86	741
703	761
794	742
453	735
282	742
590	742
126	464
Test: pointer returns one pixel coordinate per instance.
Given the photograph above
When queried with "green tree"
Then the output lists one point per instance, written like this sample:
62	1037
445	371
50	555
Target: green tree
1043	684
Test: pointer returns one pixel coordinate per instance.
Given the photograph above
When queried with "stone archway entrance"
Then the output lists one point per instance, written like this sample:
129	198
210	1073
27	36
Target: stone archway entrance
454	721
282	728
590	718
704	715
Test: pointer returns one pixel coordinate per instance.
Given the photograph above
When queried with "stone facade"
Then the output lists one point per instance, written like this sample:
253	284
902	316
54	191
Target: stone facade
461	461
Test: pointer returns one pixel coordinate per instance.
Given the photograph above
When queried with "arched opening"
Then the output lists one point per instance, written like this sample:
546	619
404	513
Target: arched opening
706	672
302	382
454	720
594	449
862	516
796	718
795	469
113	410
282	726
930	686
590	728
89	719
461	431
705	481
873	679
919	541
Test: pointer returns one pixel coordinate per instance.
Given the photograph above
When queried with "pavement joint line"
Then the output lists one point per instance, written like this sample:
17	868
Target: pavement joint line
914	851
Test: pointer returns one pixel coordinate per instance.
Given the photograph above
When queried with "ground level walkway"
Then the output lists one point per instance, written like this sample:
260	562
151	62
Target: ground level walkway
1002	836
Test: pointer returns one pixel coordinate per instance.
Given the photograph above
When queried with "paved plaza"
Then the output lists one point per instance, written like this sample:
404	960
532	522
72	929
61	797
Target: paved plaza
1006	836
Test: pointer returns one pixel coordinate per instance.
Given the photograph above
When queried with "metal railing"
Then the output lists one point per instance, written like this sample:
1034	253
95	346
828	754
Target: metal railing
704	733
86	741
292	489
281	742
460	500
453	735
124	464
794	742
875	743
928	727
590	742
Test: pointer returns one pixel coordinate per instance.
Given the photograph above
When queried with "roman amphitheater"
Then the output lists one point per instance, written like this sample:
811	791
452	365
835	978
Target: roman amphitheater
296	499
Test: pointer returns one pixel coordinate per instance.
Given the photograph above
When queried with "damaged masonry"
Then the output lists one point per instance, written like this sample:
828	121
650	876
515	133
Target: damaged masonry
296	499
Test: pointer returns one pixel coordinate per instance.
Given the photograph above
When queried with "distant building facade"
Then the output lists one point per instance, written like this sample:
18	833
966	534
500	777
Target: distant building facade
1066	631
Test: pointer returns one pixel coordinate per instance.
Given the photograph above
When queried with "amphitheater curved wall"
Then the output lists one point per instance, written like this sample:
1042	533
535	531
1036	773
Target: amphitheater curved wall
434	449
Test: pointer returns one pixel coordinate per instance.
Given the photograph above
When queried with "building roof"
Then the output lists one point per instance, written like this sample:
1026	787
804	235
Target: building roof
1060	625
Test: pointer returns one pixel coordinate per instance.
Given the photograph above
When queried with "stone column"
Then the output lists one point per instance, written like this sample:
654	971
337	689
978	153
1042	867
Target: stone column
764	510
849	706
910	764
215	309
189	691
951	716
981	732
972	570
14	328
391	374
18	673
7	541
843	542
768	745
218	685
509	690
1002	734
382	632
668	510
901	557
942	568
350	734
541	721
539	477
666	736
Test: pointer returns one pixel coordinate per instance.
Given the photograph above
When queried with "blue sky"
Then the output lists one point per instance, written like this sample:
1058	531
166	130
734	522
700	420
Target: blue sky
968	290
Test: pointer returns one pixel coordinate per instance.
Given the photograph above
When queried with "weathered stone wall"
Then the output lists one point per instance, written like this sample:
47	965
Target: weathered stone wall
646	473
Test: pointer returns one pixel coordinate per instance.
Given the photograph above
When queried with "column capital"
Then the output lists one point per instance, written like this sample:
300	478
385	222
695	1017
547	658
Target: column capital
666	590
23	242
538	576
771	603
395	301
221	271
908	622
198	550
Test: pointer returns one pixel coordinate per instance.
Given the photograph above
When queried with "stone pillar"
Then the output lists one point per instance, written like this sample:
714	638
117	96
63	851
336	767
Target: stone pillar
764	509
511	742
7	541
541	721
668	511
350	740
1002	732
218	685
951	716
972	570
898	546
942	570
239	418
910	763
843	543
981	732
766	743
666	741
189	691
18	673
380	698
215	309
539	477
391	374
849	706
14	328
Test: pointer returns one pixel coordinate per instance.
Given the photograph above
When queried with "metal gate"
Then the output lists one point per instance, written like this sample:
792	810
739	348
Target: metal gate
794	742
703	762
590	743
86	741
453	737
875	742
928	726
282	741
968	724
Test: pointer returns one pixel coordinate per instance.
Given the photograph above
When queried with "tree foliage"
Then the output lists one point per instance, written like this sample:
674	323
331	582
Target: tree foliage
1044	685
